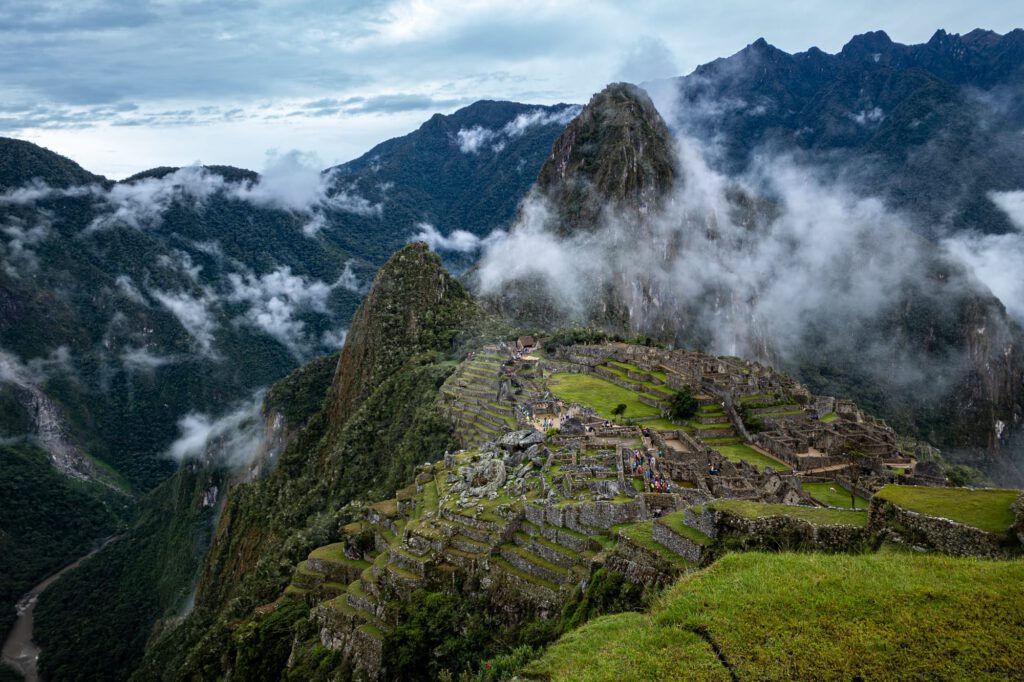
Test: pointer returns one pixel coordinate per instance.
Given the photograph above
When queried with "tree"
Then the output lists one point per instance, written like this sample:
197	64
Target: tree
619	410
683	405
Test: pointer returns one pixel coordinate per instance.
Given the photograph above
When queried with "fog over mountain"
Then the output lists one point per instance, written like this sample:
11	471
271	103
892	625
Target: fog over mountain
781	237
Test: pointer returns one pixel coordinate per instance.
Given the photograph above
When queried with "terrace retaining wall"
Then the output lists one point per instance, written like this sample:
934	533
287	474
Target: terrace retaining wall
640	565
787	533
895	523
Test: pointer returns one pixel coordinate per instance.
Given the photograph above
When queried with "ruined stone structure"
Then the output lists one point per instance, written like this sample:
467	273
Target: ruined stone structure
524	518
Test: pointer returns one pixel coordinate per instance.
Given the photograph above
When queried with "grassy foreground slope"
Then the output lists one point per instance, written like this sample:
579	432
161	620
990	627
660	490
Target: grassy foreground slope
812	617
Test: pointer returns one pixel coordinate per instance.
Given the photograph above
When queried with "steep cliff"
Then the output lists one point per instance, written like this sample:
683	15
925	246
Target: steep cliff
413	306
377	422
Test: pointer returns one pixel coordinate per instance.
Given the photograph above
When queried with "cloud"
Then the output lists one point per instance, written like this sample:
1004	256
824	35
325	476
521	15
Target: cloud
125	285
18	254
334	340
400	102
275	299
36	190
470	140
997	259
1012	203
141	204
868	116
290	182
459	241
37	370
473	139
348	279
194	315
277	303
141	359
179	261
540	117
233	439
737	277
316	223
648	59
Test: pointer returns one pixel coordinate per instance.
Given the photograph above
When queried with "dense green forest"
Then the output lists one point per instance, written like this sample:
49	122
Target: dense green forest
49	520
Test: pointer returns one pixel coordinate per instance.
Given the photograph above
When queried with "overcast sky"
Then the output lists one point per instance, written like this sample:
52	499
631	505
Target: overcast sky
124	86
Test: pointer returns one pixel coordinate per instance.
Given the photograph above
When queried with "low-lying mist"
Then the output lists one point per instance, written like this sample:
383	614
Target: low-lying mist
783	263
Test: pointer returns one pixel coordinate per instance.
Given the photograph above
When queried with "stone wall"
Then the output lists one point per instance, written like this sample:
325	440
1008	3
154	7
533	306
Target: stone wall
786	533
341	632
894	523
703	519
684	547
587	516
640	565
343	573
1018	526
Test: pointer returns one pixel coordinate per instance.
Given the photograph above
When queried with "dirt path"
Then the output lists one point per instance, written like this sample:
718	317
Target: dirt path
19	651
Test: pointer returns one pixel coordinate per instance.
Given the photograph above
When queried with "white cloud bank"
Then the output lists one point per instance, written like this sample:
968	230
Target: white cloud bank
998	259
823	266
475	139
233	439
276	299
290	182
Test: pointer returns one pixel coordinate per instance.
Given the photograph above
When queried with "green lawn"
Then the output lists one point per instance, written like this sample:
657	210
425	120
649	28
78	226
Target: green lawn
662	424
830	417
812	617
602	395
818	516
428	500
734	453
987	509
627	647
634	368
620	372
833	495
336	553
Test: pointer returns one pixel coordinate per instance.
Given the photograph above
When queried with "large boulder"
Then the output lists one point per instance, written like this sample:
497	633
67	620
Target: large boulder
573	426
520	440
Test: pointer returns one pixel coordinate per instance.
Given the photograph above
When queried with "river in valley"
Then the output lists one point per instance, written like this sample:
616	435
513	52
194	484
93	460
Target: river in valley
19	651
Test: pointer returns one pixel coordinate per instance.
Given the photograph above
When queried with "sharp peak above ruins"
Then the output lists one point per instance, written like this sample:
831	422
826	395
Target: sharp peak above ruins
413	305
617	152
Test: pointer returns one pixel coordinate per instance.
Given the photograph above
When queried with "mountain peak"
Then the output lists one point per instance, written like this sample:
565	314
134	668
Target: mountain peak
410	308
618	149
867	45
21	162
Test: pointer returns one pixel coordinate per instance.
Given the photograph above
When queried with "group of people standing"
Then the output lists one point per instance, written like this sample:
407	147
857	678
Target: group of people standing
647	467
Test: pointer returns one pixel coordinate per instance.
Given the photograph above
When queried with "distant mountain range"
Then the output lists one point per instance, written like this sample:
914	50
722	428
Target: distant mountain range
930	127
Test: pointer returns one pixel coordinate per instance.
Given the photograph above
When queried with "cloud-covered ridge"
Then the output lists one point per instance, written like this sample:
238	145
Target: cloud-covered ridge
475	139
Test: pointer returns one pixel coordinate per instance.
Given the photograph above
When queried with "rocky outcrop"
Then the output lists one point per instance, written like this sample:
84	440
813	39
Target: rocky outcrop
616	155
411	307
50	425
